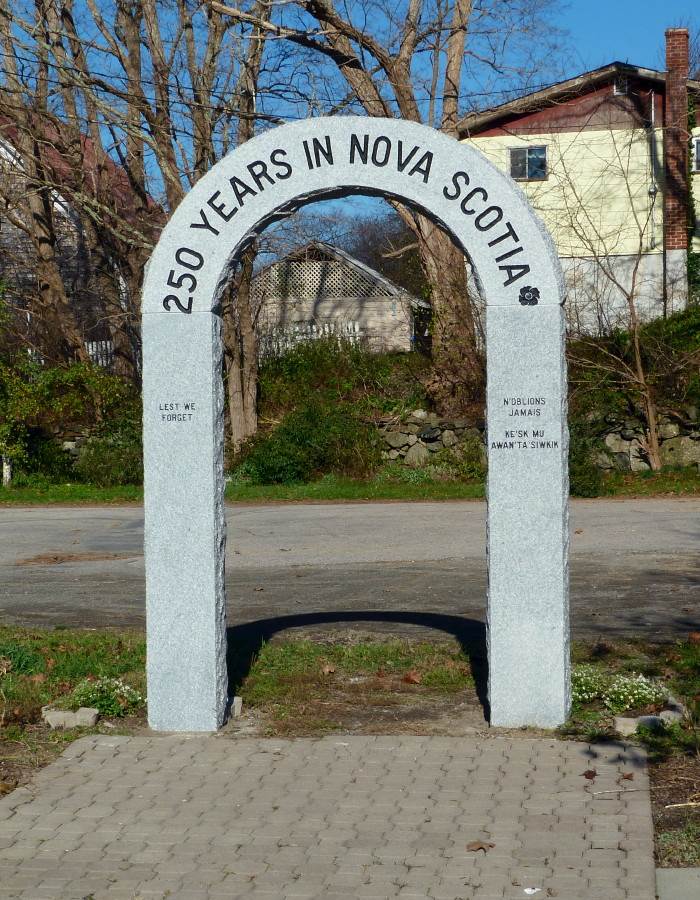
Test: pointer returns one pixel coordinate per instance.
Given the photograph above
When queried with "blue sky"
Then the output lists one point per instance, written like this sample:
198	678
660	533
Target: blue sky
627	30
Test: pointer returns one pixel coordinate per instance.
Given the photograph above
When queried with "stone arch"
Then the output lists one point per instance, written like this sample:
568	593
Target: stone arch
520	279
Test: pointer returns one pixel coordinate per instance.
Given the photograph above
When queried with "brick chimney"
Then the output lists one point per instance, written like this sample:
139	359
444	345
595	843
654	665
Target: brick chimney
676	170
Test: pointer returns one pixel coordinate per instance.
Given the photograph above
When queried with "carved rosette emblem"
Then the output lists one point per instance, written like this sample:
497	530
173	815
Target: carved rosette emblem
529	296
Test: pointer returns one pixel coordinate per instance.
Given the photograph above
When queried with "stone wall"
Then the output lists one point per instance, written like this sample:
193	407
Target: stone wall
415	439
70	438
422	434
679	434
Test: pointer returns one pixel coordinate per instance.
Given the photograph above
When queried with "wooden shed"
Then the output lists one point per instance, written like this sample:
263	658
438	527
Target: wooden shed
320	289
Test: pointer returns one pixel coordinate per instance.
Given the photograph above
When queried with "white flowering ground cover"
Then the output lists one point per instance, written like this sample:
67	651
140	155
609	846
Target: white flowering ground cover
618	692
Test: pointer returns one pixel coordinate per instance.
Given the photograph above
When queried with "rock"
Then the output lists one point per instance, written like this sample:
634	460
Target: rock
692	413
430	434
627	434
395	439
671	716
627	726
85	717
434	447
668	430
461	423
69	446
411	428
638	458
412	440
417	456
624	726
655	723
616	443
603	461
622	462
680	451
419	414
676	706
393	454
237	707
449	438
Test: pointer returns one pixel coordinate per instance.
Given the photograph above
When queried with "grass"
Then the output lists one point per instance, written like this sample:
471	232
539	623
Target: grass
412	485
43	667
679	482
679	847
348	489
307	687
46	494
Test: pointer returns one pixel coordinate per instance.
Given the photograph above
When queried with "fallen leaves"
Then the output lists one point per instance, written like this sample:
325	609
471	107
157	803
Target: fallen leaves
475	846
412	677
694	637
327	670
627	776
6	787
590	774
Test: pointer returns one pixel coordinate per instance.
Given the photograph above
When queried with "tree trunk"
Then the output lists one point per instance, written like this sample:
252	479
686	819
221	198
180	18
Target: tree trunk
241	355
457	380
652	435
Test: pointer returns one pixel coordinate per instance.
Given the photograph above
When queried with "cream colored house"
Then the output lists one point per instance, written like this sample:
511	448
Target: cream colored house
604	159
321	290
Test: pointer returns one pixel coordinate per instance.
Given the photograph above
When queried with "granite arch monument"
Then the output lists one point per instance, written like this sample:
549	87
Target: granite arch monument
519	276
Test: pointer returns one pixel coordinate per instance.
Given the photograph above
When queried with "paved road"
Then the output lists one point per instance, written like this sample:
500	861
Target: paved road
635	568
198	818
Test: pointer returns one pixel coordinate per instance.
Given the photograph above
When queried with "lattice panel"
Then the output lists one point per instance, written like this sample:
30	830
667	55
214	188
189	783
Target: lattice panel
314	280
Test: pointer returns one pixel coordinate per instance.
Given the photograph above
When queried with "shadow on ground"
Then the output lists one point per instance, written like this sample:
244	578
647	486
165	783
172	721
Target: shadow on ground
244	641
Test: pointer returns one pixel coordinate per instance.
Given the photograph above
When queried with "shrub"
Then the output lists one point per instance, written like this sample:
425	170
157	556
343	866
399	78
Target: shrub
469	458
114	455
111	696
585	478
45	457
108	461
316	438
337	370
34	397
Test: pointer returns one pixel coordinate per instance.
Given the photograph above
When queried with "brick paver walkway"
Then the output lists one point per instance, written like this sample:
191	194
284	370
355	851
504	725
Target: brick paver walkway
343	817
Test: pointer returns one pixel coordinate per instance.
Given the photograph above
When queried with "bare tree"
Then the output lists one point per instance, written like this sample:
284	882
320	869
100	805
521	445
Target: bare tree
617	280
240	337
412	60
118	110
